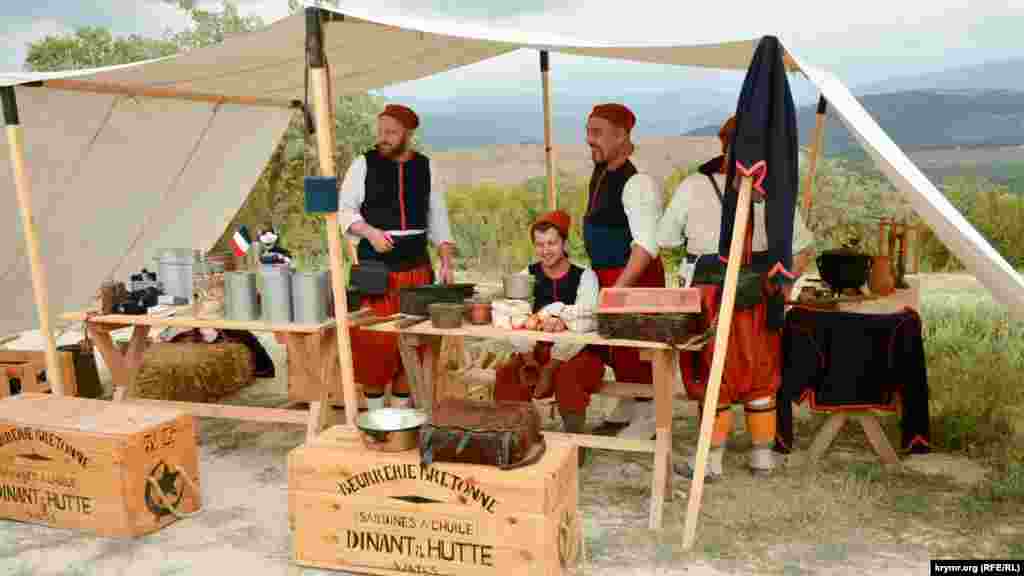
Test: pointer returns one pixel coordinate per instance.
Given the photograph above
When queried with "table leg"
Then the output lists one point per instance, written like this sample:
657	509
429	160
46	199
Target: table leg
825	435
124	366
432	366
877	438
664	375
413	372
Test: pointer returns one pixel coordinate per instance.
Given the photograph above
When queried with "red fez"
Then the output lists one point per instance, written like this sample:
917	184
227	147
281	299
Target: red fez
404	115
559	219
616	114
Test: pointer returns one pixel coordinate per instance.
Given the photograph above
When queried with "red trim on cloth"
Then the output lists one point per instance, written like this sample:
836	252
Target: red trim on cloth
758	172
918	440
375	357
401	192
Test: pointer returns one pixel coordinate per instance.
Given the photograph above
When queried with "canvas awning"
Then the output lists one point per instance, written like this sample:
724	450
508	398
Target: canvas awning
115	177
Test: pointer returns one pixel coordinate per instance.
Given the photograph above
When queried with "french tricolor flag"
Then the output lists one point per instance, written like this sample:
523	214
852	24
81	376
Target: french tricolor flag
241	241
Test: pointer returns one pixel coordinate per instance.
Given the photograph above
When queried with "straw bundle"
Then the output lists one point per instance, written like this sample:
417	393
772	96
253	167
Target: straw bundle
193	372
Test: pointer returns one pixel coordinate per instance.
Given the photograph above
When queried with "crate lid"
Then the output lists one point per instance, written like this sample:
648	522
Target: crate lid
82	414
649	301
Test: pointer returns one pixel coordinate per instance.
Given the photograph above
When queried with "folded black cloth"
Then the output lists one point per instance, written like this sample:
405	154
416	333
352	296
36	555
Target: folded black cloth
847	360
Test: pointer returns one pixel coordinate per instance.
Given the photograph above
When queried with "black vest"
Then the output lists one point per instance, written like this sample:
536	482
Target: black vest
547	291
386	202
606	232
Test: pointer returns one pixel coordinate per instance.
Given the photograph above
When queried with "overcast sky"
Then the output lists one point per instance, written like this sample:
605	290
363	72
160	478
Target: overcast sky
862	41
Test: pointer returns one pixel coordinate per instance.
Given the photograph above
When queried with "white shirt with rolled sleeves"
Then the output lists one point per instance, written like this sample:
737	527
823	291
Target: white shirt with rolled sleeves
641	199
695	215
353	192
578	317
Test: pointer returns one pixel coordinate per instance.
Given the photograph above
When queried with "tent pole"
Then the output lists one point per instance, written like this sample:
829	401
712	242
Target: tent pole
722	330
323	107
548	153
73	85
54	372
816	144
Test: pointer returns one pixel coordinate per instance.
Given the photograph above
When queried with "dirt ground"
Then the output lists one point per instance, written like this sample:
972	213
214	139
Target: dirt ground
844	516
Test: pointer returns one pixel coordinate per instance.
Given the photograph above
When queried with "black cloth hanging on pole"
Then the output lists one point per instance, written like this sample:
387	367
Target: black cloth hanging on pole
765	147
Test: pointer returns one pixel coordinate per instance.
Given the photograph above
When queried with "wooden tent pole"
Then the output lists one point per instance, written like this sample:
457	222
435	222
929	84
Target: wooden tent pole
54	371
722	330
548	152
324	107
73	85
816	145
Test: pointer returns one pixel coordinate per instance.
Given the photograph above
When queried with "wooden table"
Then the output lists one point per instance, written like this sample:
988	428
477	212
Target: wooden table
311	360
663	356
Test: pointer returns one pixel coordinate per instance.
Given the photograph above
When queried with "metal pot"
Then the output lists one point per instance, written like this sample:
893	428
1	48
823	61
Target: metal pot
446	316
391	429
518	286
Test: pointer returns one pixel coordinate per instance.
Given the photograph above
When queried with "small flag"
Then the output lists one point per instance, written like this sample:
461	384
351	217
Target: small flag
241	242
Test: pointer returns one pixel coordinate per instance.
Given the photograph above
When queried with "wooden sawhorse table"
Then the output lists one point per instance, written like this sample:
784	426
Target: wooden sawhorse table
422	377
311	358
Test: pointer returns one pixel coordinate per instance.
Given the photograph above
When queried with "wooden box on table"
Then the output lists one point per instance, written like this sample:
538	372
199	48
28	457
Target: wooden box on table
383	513
86	464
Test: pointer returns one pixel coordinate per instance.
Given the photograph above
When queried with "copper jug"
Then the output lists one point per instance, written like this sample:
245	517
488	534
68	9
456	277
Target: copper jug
882	281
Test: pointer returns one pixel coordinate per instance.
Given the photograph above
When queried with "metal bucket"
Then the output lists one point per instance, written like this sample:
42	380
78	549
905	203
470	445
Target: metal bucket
309	297
277	295
174	271
240	300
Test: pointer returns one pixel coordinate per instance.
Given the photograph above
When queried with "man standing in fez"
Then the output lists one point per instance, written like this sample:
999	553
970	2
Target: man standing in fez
620	233
753	360
391	201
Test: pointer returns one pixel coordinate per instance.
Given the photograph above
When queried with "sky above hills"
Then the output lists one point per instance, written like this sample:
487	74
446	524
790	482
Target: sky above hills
864	42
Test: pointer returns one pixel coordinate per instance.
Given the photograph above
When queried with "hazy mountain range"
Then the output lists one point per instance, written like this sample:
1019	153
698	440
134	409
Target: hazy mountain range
978	105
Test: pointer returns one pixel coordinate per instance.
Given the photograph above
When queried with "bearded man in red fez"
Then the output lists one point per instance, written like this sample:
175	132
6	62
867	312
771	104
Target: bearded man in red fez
564	298
392	202
620	233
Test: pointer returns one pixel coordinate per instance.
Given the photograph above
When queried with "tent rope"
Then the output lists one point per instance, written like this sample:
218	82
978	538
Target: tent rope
17	263
167	193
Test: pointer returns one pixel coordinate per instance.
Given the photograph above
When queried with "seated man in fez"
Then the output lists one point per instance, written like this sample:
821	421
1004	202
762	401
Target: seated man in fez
391	200
565	298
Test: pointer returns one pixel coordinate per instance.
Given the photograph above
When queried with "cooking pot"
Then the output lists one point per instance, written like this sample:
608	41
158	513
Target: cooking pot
391	429
446	316
518	286
844	269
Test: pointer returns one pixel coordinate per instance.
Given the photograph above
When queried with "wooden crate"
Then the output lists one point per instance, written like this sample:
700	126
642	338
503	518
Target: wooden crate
382	513
26	365
85	464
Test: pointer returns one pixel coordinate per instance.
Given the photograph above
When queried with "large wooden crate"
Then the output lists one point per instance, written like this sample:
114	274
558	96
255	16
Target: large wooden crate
86	464
383	513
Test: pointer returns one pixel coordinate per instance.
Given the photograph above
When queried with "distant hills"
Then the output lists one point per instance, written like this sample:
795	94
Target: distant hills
973	106
922	119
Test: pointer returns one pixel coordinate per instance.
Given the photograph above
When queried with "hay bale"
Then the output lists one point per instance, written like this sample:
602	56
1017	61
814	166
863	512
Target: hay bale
193	372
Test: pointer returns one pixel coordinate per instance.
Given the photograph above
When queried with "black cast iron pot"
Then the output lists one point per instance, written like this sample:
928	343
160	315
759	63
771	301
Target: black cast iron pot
844	269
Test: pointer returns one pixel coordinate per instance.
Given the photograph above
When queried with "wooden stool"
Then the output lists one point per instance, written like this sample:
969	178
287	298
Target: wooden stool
872	429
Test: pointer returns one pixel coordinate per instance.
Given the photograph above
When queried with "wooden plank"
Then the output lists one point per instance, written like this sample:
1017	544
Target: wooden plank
123	320
722	331
37	268
492	332
605	442
250	413
663	376
74	85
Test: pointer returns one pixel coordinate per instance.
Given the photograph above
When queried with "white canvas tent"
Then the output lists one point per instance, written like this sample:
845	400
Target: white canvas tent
115	177
124	160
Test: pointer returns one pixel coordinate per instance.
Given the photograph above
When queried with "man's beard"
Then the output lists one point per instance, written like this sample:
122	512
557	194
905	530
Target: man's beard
396	151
